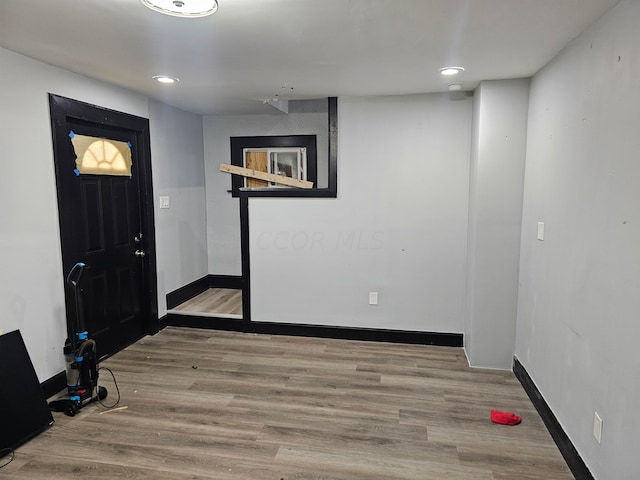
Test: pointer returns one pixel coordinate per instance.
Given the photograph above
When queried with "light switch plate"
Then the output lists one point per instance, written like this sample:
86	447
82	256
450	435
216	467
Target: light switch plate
541	231
597	427
164	202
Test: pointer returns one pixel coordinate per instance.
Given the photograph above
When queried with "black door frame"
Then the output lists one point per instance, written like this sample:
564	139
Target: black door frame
63	109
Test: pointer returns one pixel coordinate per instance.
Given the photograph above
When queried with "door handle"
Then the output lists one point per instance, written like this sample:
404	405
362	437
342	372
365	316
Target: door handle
140	253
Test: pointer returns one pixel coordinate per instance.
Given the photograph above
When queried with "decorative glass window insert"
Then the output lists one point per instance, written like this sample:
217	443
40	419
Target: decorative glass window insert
287	162
99	156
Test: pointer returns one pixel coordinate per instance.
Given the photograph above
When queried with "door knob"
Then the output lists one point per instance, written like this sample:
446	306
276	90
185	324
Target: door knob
139	253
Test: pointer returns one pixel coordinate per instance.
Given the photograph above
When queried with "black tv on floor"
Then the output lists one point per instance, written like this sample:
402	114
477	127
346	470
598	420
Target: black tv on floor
24	412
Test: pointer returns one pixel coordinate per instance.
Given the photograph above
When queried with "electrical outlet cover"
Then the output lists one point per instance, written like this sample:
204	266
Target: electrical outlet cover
373	298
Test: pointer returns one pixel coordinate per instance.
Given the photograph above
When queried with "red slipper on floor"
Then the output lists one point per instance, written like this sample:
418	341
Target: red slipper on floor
505	418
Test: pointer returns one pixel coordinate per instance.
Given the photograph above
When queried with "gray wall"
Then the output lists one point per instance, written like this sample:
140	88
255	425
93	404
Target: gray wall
223	214
31	276
495	214
579	302
178	172
398	226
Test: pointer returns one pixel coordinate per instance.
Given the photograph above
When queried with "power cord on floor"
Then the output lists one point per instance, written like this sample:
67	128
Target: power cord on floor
116	385
7	451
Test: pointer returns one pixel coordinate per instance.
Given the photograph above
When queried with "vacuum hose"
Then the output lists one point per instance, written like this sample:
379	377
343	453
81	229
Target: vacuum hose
85	345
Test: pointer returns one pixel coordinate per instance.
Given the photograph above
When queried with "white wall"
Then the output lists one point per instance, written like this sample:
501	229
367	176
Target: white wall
398	227
178	172
223	213
31	277
495	215
579	303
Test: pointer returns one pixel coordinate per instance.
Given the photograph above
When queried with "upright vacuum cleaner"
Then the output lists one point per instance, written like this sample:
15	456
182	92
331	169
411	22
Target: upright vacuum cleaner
80	357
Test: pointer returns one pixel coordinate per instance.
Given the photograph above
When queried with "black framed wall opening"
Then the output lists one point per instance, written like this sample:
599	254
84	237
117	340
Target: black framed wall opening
330	191
240	145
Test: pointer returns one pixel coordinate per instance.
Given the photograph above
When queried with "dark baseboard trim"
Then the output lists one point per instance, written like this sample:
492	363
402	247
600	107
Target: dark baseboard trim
319	331
194	321
200	285
54	385
566	447
187	292
364	334
225	281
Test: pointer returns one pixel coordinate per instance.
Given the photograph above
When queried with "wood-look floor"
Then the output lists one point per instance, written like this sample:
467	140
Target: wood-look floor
214	301
203	404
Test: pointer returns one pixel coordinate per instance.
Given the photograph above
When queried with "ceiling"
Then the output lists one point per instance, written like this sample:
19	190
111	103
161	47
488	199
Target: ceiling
252	51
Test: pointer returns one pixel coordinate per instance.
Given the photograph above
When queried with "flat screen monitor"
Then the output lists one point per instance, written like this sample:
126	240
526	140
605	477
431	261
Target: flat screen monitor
24	412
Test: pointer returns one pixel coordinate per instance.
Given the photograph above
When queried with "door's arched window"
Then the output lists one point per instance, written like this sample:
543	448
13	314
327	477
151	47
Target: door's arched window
99	156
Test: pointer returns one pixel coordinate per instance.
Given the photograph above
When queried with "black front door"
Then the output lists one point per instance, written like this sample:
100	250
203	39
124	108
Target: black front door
106	222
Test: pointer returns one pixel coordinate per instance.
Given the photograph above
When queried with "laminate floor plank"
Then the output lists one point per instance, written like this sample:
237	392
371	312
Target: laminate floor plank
204	404
376	466
224	301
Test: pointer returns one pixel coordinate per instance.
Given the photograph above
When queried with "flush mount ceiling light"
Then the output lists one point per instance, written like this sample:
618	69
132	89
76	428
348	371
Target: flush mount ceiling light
451	70
165	79
183	8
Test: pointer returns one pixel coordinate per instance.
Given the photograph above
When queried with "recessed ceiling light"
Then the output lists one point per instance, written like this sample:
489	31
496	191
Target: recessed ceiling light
183	8
451	70
165	79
